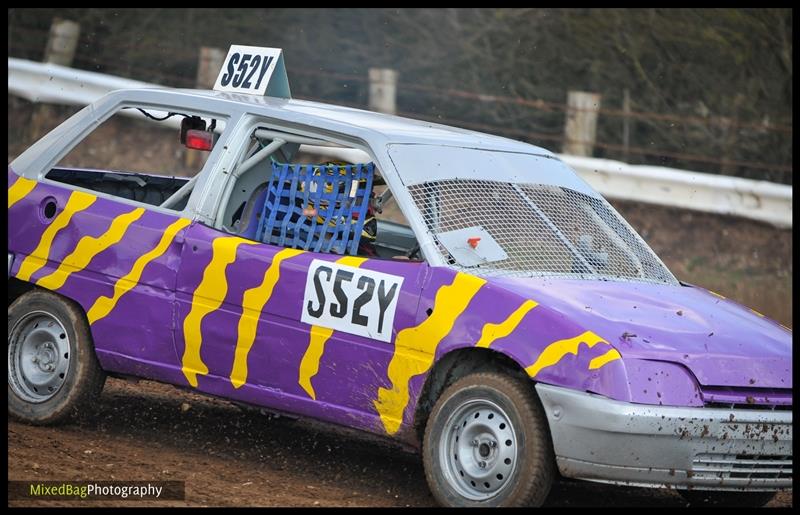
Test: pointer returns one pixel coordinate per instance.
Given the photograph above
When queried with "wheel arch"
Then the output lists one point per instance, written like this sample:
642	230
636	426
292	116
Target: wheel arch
453	365
17	288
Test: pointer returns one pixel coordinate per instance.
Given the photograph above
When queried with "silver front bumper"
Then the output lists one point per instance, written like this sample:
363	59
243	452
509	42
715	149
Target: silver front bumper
599	439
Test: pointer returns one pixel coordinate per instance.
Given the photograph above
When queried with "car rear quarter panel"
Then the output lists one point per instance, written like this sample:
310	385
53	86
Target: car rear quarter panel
116	260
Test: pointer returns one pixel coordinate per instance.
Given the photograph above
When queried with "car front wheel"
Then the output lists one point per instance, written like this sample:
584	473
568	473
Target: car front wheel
53	371
487	444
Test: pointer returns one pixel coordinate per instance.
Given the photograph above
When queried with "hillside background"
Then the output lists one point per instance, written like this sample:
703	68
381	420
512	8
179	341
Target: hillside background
709	89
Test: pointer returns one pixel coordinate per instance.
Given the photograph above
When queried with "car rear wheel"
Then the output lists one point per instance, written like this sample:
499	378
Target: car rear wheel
729	499
487	444
53	371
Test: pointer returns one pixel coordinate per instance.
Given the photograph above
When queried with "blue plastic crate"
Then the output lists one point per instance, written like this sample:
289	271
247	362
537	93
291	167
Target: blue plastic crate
316	207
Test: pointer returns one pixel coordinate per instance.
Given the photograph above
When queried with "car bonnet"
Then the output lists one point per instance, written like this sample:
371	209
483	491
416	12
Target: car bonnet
722	342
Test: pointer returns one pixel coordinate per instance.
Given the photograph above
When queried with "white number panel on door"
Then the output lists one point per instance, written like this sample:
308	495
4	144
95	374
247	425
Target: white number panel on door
351	300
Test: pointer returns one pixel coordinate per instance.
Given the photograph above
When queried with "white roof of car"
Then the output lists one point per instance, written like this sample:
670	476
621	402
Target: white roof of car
395	129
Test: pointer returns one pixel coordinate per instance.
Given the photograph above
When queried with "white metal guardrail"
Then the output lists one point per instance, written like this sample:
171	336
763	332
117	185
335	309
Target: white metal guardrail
51	83
757	200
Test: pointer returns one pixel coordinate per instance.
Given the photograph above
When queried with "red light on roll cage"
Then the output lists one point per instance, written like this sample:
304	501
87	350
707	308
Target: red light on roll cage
199	140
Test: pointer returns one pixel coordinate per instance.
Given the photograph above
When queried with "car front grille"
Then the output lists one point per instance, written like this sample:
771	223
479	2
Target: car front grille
742	466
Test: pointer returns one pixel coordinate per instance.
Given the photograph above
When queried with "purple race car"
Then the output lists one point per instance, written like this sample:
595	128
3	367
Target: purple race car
467	294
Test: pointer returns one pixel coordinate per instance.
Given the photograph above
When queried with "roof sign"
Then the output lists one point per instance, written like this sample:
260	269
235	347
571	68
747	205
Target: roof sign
255	71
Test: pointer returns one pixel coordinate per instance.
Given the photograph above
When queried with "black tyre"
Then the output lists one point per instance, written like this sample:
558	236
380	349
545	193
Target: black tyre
726	499
53	371
487	443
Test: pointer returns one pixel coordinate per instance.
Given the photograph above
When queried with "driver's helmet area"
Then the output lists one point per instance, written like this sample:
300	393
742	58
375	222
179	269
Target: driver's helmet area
319	207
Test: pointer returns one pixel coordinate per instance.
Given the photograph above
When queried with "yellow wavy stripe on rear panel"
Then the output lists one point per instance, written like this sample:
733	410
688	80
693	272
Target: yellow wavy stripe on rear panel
207	297
415	347
104	305
77	202
87	248
553	353
604	359
253	301
317	338
492	332
19	190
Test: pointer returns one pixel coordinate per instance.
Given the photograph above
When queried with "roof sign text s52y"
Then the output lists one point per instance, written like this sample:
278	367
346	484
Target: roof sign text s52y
254	70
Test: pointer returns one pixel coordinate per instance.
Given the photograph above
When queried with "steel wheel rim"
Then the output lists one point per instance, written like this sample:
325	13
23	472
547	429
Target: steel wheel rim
478	450
38	356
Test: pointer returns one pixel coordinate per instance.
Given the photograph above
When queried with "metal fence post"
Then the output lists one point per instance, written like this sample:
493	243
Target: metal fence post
383	90
580	129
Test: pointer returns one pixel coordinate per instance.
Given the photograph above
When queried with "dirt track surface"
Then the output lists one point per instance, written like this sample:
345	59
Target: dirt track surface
229	457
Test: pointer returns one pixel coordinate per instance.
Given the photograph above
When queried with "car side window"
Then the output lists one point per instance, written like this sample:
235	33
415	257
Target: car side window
143	155
314	197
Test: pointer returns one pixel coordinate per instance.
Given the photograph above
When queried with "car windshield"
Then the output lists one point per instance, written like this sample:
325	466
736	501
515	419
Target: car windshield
502	213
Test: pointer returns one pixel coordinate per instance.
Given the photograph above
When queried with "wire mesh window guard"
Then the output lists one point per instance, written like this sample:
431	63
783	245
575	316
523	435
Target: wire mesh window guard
545	230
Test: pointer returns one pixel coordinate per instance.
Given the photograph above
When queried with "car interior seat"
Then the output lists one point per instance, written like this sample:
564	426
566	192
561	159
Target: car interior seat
248	223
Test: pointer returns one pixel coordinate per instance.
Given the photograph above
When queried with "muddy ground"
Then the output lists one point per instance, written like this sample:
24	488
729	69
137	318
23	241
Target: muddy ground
228	457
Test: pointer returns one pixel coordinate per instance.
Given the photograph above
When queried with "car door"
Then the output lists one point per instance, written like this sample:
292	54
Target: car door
294	330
